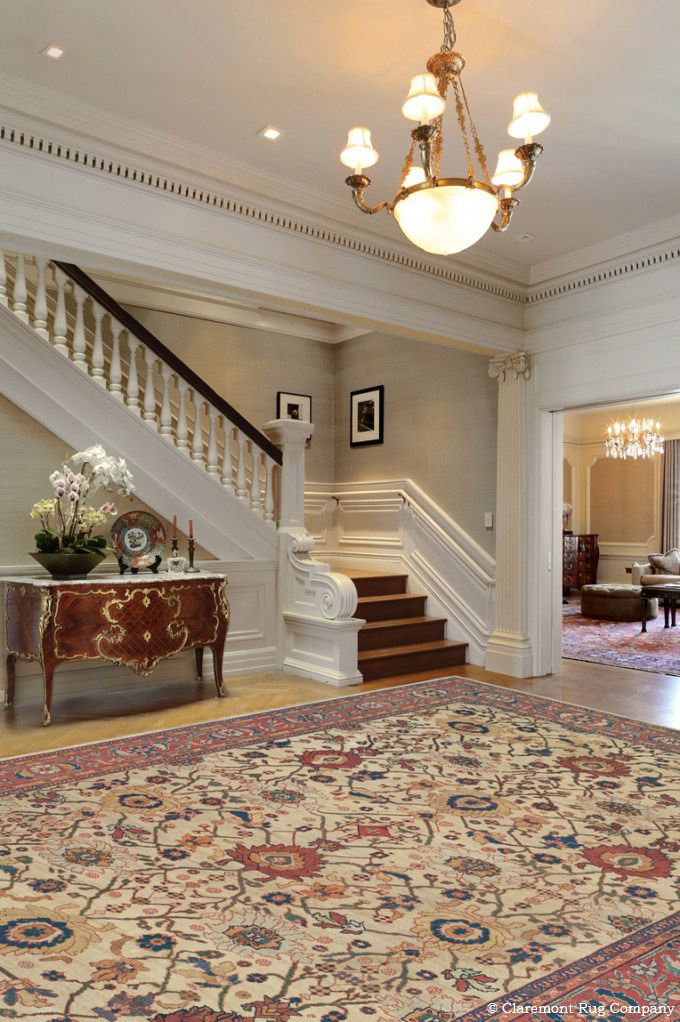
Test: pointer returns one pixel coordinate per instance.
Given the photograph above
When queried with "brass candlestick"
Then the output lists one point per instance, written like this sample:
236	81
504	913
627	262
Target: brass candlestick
192	550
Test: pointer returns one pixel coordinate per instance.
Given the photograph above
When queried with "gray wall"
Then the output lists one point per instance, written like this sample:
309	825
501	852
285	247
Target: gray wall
247	367
440	423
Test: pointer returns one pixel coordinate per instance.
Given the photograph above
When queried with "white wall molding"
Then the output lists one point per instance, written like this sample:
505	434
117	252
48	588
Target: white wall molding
33	109
128	172
393	525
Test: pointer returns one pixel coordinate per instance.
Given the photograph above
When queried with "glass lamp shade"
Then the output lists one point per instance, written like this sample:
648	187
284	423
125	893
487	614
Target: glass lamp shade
509	170
359	152
528	116
446	219
423	102
415	176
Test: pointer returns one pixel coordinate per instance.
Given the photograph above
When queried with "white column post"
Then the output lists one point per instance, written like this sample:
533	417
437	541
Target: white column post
40	304
149	390
79	345
98	345
60	324
269	490
227	463
509	650
182	424
213	461
133	379
255	483
116	373
318	630
166	411
3	280
241	480
19	294
197	437
291	436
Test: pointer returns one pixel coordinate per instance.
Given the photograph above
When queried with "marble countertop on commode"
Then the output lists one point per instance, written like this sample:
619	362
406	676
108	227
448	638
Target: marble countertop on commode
111	579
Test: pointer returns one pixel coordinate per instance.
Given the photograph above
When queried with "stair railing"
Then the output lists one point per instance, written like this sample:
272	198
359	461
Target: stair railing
106	342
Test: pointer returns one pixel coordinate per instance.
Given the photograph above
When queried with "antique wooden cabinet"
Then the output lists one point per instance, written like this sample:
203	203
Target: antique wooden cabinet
580	558
136	622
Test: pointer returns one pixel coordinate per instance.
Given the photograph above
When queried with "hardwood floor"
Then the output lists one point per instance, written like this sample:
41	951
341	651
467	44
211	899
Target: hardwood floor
654	698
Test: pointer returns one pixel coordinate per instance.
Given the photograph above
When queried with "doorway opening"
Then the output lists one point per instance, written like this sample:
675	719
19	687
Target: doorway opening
621	535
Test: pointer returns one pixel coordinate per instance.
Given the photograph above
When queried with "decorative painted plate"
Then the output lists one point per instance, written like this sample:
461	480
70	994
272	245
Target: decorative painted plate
137	538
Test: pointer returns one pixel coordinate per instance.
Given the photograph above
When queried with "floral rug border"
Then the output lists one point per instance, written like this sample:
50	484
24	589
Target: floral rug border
196	740
585	977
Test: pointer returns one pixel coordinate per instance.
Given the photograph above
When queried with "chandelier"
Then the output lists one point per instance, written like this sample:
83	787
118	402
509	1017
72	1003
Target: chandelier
444	215
639	438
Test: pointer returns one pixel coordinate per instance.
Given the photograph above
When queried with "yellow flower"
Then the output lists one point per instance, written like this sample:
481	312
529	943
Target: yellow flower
43	508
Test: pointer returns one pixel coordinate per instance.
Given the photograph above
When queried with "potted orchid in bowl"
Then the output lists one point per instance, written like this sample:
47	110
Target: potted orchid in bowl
68	543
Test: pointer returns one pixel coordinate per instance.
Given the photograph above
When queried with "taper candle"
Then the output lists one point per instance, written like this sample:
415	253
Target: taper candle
174	526
191	528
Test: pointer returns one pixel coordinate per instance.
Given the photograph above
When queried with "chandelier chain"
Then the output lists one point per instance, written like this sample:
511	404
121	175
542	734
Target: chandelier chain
479	148
449	30
460	111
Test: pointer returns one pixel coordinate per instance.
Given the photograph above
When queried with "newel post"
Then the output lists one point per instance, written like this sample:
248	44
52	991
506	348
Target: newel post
509	650
318	630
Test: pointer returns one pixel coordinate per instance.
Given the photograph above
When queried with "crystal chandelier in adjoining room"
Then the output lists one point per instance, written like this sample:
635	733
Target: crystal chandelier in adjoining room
638	438
444	215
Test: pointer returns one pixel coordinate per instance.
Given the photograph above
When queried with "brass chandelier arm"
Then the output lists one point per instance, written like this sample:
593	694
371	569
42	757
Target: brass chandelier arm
529	155
506	208
359	183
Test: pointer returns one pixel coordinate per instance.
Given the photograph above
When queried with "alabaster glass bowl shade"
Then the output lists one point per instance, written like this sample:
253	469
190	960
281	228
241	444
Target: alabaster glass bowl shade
446	219
423	102
359	152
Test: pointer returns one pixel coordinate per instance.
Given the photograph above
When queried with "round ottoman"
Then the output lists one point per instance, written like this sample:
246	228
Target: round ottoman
612	602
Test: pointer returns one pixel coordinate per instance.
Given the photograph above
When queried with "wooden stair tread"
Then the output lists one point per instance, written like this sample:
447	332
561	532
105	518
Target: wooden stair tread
385	597
360	573
419	647
399	622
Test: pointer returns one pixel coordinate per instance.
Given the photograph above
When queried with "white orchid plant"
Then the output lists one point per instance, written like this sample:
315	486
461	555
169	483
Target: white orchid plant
68	519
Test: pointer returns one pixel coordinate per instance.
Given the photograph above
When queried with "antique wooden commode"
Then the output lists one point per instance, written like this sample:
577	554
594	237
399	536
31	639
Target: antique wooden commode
136	622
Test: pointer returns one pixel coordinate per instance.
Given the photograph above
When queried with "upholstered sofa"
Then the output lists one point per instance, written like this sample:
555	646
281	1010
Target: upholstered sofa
659	570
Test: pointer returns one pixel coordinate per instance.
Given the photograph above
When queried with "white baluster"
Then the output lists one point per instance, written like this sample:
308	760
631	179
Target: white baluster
197	439
213	462
133	379
269	490
116	373
19	294
255	478
3	280
98	346
227	463
149	391
60	324
79	346
40	304
241	480
182	424
166	411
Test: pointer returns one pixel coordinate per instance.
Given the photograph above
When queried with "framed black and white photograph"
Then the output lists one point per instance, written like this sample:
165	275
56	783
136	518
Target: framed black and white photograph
293	406
366	416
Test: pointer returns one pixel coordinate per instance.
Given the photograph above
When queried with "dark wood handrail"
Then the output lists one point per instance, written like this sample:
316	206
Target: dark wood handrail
82	280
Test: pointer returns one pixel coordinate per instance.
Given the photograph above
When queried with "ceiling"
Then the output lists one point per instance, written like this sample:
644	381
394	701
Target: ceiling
214	72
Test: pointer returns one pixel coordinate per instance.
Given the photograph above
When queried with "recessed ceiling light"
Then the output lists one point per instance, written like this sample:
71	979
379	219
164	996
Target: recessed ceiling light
53	50
523	238
270	132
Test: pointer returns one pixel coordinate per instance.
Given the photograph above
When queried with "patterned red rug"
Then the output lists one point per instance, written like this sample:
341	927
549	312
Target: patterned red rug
434	852
620	643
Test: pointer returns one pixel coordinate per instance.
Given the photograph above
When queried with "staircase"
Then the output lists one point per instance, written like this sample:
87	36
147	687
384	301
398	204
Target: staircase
398	637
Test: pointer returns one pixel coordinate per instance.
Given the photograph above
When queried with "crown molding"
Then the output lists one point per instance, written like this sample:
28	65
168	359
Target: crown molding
142	177
661	234
119	137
